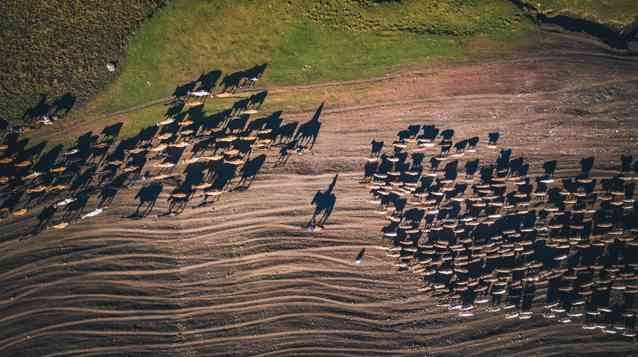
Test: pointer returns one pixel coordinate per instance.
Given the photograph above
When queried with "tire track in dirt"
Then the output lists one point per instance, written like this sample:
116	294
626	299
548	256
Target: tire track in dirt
247	278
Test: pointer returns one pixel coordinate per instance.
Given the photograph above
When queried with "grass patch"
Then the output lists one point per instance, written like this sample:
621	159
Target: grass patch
615	13
311	53
304	41
56	47
188	38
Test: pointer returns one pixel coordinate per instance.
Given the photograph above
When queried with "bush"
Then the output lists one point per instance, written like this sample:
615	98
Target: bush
55	48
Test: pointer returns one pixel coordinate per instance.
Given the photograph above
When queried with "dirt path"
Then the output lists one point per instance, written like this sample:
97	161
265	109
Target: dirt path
246	278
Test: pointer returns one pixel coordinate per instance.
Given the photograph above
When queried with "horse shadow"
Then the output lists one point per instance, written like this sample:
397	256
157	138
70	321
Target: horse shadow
447	135
285	133
430	132
196	113
44	218
249	172
32	152
237	124
15	144
75	208
224	174
108	192
147	196
216	120
272	122
492	138
175	107
179	198
626	163
4	124
252	75
308	131
111	132
203	145
146	135
586	166
195	173
84	179
240	105
11	202
137	161
232	81
284	153
208	81
173	155
258	99
64	103
48	159
183	90
41	108
471	168
324	203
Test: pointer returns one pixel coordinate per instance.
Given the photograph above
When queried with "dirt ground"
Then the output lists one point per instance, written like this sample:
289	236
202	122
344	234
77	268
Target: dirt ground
246	278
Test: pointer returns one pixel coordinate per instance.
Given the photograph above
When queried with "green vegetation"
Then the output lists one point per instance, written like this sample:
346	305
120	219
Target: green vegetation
615	13
302	40
452	17
56	47
311	53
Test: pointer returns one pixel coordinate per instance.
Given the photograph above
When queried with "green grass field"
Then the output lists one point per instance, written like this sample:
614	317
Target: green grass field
303	41
59	47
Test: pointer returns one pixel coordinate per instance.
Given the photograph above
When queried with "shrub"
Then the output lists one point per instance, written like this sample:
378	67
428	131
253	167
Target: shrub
59	47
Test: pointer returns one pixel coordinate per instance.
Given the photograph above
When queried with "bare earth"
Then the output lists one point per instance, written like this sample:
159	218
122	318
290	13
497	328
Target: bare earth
246	277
